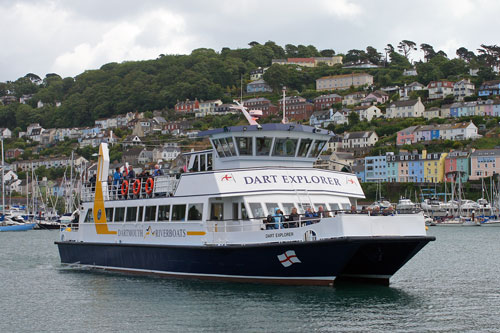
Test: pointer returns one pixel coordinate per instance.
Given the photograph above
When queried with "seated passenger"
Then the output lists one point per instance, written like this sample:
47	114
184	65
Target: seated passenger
293	218
322	212
309	213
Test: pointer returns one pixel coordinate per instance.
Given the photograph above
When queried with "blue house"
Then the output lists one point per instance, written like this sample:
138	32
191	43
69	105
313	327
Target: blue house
490	88
375	169
258	86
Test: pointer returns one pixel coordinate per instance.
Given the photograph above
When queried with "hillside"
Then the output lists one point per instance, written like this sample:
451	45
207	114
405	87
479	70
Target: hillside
206	74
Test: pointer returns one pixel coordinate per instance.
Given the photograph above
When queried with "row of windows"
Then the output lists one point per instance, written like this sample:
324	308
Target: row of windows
284	147
162	213
257	208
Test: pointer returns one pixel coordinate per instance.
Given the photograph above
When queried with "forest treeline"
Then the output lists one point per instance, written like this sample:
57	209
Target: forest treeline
117	88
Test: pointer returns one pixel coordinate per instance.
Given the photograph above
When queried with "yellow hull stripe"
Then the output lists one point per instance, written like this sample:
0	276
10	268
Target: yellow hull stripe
196	233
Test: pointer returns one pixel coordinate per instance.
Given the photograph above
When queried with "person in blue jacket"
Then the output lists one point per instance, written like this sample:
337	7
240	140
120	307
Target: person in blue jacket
278	218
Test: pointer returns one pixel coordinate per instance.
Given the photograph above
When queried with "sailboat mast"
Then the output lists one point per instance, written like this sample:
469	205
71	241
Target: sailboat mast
3	182
27	196
70	210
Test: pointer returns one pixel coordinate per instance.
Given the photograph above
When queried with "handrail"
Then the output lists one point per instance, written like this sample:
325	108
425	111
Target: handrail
163	186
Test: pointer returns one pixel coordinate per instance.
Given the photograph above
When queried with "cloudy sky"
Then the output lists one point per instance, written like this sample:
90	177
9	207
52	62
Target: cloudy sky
69	36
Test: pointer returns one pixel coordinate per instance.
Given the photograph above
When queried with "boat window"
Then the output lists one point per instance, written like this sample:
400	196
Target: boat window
231	146
244	213
195	168
119	214
334	206
304	146
287	207
264	146
218	147
256	209
203	166
178	212
209	162
244	145
163	213
131	214
225	147
195	212
317	147
346	206
151	213
285	147
271	206
320	204
90	217
235	210
141	214
217	211
109	214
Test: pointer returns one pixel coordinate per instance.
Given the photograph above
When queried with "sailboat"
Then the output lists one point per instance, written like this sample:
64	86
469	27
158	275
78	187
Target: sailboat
7	221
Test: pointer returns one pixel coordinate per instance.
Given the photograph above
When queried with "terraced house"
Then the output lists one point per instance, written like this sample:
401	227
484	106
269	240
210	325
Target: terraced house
412	108
484	163
342	82
456	166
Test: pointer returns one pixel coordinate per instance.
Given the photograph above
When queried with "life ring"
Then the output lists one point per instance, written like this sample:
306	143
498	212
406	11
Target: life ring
125	187
136	188
149	185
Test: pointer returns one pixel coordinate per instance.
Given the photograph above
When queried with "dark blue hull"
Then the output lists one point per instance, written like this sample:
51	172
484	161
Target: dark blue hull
317	262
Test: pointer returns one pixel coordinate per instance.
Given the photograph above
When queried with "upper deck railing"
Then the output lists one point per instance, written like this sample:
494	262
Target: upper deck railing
137	188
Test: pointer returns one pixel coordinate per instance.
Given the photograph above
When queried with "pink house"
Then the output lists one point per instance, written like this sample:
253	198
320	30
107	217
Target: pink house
376	97
406	136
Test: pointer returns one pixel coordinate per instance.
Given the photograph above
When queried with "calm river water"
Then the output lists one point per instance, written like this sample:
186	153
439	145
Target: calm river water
452	285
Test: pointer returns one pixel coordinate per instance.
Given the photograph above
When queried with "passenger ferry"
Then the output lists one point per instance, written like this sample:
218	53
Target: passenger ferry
212	222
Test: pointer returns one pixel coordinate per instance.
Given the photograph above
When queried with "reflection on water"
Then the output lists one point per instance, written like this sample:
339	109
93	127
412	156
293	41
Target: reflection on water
451	286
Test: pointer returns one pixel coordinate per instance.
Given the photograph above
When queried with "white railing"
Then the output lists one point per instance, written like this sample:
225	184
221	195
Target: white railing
138	188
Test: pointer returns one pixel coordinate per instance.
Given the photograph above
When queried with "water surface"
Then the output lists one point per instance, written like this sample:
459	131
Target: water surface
452	285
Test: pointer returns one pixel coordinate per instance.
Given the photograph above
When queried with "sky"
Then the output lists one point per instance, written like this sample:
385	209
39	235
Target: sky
68	37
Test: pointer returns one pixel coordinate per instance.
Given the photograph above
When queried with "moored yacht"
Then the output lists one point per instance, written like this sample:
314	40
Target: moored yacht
220	219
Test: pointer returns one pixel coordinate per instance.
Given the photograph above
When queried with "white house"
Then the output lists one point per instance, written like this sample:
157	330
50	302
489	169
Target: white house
440	89
353	98
405	109
410	72
359	139
340	117
463	88
404	92
319	118
207	107
368	112
5	133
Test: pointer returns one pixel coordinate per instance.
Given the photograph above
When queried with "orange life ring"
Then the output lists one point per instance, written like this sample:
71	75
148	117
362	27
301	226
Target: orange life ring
136	188
125	187
149	185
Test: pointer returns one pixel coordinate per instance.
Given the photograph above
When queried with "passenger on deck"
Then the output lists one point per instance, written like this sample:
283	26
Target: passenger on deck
117	178
309	214
157	171
293	218
131	173
322	213
278	218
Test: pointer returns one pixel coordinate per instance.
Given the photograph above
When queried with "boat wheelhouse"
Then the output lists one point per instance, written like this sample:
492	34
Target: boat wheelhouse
218	220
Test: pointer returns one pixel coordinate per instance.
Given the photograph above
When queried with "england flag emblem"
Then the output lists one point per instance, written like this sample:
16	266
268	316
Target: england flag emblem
288	258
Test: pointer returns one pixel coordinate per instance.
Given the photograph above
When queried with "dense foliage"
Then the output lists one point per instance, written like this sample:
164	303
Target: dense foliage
117	88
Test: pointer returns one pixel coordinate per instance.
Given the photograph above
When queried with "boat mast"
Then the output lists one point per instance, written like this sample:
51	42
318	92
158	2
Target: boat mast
70	210
3	181
27	196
